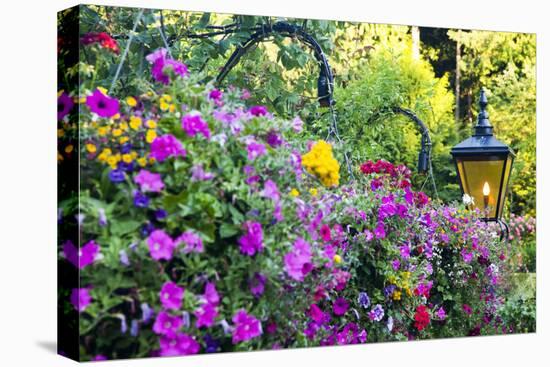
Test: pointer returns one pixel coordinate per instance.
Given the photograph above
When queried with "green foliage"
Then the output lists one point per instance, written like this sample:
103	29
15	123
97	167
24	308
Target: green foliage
374	130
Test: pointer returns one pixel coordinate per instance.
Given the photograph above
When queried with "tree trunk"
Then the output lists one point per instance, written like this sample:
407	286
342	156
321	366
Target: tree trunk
457	81
415	33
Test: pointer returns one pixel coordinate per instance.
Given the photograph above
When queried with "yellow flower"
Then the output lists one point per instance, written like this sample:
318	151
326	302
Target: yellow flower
91	148
104	155
59	157
294	193
123	126
396	295
313	192
337	259
123	139
142	161
102	131
102	90
164	102
135	122
150	136
69	148
82	100
151	124
131	101
116	117
117	132
112	161
60	133
320	162
127	158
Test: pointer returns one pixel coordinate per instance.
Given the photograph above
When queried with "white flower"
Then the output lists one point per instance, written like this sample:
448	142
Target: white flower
467	199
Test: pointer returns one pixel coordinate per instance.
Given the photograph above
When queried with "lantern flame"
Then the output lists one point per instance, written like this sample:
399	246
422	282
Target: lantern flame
486	189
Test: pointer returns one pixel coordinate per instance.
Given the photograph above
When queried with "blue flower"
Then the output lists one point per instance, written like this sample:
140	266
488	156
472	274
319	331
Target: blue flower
116	176
364	299
141	200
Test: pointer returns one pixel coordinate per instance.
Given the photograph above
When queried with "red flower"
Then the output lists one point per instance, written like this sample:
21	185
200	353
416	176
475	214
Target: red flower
421	317
104	40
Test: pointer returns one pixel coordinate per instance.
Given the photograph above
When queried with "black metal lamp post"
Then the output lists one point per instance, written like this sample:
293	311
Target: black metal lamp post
484	165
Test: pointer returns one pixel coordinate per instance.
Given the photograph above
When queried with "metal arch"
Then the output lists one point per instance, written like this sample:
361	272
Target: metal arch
325	83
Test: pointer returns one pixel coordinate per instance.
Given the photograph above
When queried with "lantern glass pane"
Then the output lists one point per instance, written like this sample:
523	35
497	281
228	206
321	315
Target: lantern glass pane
481	179
505	180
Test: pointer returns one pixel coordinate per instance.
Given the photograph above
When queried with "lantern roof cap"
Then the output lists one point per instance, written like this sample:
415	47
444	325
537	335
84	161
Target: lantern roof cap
482	142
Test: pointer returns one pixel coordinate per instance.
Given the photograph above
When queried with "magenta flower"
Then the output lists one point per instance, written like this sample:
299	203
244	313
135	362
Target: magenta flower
211	295
379	231
149	182
271	191
101	104
467	256
252	241
171	296
273	139
258	110
325	233
193	124
157	54
166	324
467	309
246	327
215	95
192	241
83	257
405	251
255	150
80	298
340	306
316	313
162	66
298	261
395	264
64	106
166	146
161	245
180	344
206	315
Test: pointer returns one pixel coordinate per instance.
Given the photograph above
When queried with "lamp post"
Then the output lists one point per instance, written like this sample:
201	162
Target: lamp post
484	164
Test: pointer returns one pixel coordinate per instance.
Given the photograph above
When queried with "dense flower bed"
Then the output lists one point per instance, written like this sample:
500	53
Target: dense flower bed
210	226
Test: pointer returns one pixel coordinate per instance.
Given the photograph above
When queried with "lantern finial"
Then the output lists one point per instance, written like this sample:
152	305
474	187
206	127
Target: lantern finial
483	127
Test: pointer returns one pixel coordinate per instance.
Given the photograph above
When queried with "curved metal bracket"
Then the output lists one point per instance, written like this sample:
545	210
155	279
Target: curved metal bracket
424	157
325	83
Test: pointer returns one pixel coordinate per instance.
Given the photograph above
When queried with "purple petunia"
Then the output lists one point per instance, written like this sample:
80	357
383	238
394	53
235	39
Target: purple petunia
379	231
166	146
440	313
171	296
258	110
340	306
83	257
298	261
166	324
148	181
257	284
64	106
246	327
162	65
193	124
274	139
206	315
161	245
271	191
255	150
211	295
192	241
80	298
198	174
178	345
377	313
252	241
102	105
